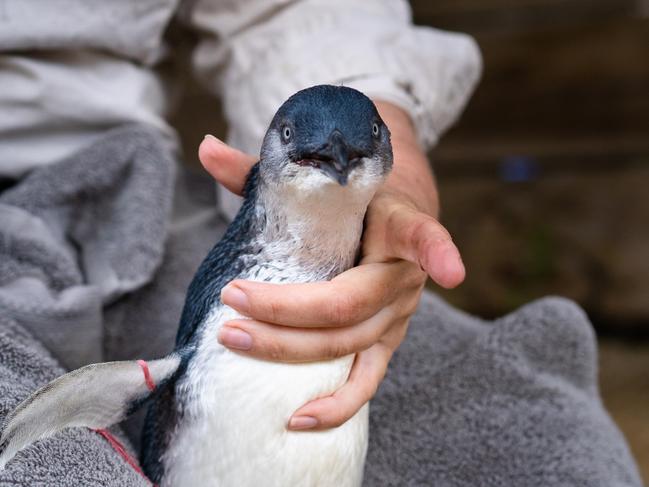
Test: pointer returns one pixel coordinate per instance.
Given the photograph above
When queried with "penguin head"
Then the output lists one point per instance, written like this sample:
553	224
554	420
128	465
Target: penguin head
323	137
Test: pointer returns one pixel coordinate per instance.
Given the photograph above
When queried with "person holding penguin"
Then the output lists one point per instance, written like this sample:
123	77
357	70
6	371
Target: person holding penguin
92	269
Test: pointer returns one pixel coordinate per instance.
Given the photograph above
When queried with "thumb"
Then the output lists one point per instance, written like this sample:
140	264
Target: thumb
421	239
227	165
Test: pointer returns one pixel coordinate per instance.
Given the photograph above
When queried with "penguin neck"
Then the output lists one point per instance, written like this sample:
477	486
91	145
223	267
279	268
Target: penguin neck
321	229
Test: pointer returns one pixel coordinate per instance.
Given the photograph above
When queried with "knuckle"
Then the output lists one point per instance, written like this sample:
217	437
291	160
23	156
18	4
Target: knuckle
413	277
274	349
343	411
337	348
397	216
338	420
404	313
342	309
274	310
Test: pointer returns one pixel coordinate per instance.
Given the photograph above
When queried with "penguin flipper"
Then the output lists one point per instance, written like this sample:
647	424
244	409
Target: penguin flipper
95	396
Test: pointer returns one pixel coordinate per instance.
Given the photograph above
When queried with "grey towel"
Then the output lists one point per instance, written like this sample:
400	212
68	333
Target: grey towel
466	402
509	403
78	234
76	457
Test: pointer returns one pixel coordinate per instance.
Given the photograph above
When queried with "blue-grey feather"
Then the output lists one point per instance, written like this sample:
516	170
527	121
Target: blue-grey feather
223	263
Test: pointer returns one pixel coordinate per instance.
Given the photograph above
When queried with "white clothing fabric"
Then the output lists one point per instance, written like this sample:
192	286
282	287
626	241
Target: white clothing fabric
72	69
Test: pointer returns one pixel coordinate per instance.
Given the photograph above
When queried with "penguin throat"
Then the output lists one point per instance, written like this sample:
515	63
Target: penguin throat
320	229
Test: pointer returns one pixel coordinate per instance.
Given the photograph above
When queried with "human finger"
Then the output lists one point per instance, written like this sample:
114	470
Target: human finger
351	297
332	411
227	165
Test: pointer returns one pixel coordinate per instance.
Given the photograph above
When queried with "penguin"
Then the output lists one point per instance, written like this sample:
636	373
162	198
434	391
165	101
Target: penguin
216	417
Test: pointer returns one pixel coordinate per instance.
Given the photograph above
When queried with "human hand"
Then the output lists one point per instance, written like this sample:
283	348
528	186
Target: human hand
360	311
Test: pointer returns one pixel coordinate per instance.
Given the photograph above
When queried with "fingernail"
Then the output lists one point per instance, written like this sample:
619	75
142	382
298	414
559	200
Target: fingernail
302	423
215	139
235	297
234	338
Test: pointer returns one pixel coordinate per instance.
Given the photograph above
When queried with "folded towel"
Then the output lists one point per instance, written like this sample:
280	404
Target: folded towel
78	234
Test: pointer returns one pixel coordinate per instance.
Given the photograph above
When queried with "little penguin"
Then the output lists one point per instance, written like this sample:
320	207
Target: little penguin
217	417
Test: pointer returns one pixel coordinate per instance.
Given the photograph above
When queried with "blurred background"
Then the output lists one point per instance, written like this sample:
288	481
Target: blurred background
545	181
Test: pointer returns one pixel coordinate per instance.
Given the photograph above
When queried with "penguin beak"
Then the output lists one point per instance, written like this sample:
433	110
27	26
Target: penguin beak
339	166
336	158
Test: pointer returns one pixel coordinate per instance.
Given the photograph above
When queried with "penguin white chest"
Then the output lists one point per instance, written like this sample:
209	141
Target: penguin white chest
233	431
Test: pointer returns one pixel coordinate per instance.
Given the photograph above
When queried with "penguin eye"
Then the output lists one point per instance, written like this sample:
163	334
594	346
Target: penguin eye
286	133
375	129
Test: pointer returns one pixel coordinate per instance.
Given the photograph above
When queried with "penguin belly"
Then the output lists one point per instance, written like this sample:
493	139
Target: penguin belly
234	415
